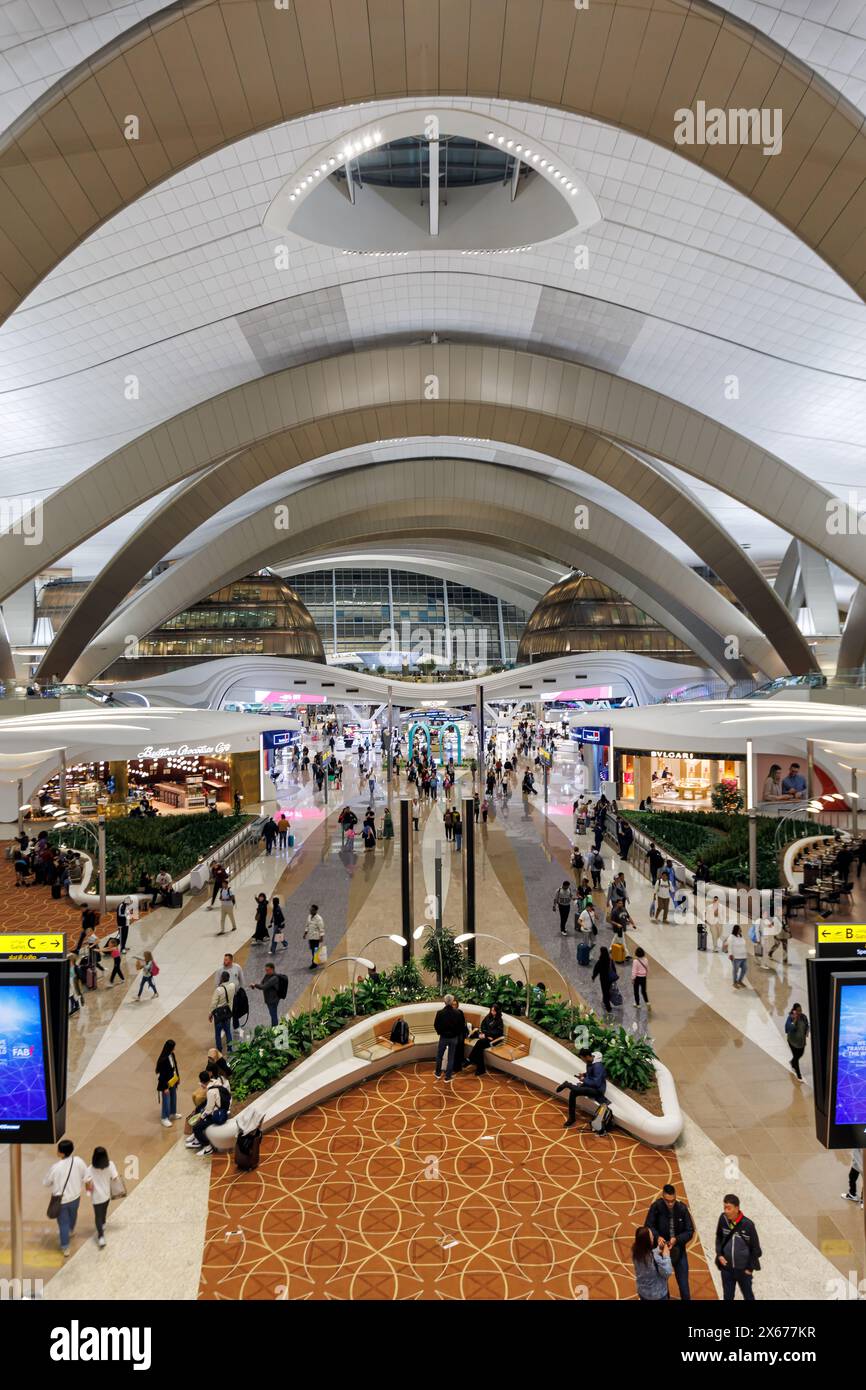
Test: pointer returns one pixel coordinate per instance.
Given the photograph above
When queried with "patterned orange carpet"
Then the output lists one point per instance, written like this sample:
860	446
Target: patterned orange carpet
405	1189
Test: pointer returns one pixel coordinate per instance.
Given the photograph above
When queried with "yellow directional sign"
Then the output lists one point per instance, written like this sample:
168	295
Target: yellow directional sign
39	944
836	932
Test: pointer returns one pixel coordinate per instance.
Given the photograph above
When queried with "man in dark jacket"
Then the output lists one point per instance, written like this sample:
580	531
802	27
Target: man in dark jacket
270	987
450	1025
671	1220
593	1085
269	833
738	1250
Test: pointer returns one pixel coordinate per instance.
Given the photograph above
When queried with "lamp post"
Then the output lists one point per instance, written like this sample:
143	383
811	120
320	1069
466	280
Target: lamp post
99	836
529	955
358	960
385	936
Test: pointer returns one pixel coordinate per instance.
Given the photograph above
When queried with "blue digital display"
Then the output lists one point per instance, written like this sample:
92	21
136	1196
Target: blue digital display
23	1089
851	1056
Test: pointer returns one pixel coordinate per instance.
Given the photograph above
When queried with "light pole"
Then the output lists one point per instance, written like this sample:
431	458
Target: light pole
99	836
528	955
385	936
358	960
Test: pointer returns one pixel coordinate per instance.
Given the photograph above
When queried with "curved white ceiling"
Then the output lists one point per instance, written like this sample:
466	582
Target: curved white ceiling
688	286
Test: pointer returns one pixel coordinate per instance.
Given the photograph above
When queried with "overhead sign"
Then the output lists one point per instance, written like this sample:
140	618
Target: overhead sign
599	736
833	932
675	754
34	946
186	750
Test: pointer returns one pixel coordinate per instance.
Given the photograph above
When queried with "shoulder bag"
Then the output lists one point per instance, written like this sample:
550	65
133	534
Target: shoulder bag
56	1202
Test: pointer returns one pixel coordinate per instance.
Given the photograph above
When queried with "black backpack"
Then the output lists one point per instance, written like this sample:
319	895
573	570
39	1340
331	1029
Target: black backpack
240	1006
400	1032
282	986
225	1098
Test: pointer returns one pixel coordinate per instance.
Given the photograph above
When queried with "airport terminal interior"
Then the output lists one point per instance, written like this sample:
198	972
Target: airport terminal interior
432	651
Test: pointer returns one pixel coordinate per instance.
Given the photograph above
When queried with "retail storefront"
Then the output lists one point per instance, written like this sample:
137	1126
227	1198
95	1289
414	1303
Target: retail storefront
676	778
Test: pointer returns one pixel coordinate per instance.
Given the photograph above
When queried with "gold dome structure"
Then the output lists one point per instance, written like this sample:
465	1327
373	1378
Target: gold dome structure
580	614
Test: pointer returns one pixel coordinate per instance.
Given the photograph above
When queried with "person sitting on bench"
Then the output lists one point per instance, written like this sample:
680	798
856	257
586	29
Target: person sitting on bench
594	1083
491	1031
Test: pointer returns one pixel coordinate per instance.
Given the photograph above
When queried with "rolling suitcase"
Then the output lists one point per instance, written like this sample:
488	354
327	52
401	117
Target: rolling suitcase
90	977
247	1147
583	953
55	891
617	953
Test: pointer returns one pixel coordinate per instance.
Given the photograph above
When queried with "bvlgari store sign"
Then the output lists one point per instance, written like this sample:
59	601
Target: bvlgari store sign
187	750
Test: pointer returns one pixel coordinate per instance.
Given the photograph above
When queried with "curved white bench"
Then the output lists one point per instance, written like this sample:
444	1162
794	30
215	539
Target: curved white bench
352	1057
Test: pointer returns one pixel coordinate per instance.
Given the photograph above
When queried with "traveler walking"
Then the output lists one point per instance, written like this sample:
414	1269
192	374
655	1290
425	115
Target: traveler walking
457	830
221	1010
447	819
735	948
738	1250
450	1025
269	835
854	1172
102	1181
652	1266
116	960
65	1177
167	1081
662	899
595	863
227	908
283	829
604	971
639	972
562	900
715	920
592	1082
218	877
314	935
670	1221
781	937
797	1032
261	932
149	969
270	985
278	928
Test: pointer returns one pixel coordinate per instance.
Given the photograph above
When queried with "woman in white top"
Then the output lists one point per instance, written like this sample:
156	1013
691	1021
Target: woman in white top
97	1181
736	949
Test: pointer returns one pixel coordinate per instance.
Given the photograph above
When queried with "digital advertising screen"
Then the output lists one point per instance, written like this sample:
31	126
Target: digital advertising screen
26	1064
848	1053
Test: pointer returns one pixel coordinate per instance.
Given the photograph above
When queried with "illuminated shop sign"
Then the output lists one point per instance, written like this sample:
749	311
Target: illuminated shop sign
186	750
656	754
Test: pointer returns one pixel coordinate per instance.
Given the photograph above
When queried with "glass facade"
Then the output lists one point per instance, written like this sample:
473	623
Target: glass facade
453	623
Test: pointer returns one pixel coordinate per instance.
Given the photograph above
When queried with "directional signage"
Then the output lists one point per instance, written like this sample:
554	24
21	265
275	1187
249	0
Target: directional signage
841	939
35	947
831	932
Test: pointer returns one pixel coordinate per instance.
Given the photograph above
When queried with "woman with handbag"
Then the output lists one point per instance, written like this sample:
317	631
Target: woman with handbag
103	1182
167	1079
261	932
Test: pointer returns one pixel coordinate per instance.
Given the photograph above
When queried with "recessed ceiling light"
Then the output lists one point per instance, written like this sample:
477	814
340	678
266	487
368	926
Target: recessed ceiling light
544	163
535	158
501	140
332	161
519	148
491	135
509	144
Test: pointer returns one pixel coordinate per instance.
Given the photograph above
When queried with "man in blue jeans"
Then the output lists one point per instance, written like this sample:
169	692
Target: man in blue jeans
66	1178
738	1250
221	1010
450	1025
270	987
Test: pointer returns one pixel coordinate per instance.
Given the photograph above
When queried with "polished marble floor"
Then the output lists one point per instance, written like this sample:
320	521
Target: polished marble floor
749	1122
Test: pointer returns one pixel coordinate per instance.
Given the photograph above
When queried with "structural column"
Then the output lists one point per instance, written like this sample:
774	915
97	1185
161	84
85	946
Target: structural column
62	778
752	814
468	868
855	819
407	877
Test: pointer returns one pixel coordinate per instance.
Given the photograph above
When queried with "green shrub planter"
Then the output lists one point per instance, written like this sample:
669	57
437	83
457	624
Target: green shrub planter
721	839
257	1062
136	845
